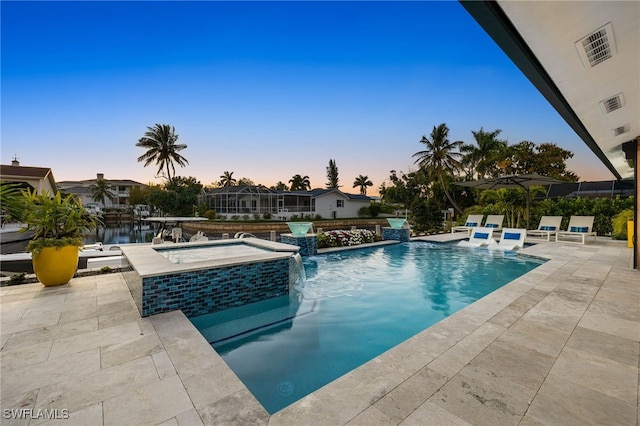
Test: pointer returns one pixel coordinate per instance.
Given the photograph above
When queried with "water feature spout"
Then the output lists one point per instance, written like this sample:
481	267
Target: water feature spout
300	276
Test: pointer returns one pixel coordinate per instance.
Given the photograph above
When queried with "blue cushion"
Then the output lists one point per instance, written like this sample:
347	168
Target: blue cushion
547	228
481	235
470	224
491	225
579	229
511	236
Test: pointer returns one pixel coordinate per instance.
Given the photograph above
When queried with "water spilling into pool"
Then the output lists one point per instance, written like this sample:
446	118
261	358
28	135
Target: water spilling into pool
354	306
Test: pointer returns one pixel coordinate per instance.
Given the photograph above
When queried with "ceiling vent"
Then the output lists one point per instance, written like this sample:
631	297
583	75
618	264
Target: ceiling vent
613	103
597	47
620	130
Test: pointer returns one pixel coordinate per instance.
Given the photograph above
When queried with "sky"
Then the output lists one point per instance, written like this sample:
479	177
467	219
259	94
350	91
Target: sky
265	90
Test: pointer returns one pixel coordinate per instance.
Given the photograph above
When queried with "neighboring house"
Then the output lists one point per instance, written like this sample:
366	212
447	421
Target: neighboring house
37	178
252	200
119	188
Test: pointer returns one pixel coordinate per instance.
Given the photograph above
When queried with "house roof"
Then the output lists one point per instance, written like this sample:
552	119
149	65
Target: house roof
123	182
18	173
601	189
23	171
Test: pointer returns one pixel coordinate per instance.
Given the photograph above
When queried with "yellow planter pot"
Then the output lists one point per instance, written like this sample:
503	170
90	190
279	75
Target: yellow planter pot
56	266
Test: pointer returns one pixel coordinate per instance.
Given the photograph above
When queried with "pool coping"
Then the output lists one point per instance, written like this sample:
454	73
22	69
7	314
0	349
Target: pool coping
147	262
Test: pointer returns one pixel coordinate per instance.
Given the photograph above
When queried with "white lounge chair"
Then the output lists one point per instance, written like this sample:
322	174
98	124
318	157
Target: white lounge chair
479	237
198	236
472	221
494	221
579	227
549	225
511	239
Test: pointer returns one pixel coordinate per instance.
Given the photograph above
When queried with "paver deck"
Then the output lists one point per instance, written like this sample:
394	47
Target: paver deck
559	345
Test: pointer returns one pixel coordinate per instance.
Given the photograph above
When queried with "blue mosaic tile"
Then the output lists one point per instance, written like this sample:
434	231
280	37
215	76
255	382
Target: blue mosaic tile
308	244
396	234
205	291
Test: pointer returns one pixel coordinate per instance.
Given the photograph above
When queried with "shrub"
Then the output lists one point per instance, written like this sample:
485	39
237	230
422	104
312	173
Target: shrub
619	223
341	238
375	209
210	214
105	270
267	216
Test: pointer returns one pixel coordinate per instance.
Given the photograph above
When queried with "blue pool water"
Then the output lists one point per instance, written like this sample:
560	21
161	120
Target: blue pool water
355	305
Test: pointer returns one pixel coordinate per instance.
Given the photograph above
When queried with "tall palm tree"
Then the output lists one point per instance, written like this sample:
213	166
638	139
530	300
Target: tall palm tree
362	182
300	183
227	179
439	160
100	191
160	143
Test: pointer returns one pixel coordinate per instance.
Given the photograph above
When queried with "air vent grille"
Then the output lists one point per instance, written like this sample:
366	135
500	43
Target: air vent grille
597	47
613	103
620	130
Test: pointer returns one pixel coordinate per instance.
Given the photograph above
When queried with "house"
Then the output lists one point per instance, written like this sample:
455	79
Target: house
259	200
119	188
36	178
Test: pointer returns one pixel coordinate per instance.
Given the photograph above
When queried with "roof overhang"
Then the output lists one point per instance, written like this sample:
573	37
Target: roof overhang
545	40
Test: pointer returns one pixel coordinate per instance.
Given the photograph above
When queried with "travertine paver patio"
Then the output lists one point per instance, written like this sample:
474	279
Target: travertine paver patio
560	345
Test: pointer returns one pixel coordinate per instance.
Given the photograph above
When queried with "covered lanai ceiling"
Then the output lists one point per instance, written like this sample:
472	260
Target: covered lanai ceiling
584	57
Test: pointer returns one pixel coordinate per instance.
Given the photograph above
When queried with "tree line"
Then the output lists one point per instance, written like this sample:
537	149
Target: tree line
425	192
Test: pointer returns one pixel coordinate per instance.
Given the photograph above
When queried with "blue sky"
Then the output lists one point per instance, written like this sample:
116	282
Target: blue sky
263	89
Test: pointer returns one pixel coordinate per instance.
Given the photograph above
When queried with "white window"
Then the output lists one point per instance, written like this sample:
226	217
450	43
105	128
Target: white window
340	203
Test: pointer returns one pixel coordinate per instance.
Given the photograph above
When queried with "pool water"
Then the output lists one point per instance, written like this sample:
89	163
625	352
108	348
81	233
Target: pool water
209	252
355	305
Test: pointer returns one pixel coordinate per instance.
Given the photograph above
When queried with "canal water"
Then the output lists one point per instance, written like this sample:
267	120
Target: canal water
121	234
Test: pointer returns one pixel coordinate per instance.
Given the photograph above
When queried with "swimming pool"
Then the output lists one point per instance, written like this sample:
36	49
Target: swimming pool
355	306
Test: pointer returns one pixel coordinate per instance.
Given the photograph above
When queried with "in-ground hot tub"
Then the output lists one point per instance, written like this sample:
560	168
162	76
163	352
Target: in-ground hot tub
206	277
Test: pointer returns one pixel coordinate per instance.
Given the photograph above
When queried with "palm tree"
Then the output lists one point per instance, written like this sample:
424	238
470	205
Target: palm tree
160	143
280	186
227	179
480	158
11	200
439	160
300	183
101	190
362	182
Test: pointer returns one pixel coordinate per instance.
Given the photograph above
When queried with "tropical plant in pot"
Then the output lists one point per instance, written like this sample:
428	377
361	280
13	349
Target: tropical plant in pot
58	223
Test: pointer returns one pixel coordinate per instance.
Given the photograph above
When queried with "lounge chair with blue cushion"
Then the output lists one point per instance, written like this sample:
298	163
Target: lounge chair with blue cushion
511	239
494	221
472	220
549	225
579	227
479	237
